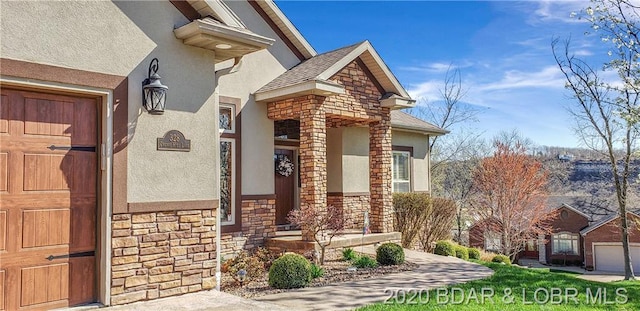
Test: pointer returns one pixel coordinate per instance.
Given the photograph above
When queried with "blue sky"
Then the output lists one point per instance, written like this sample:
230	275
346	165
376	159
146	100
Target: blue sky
502	48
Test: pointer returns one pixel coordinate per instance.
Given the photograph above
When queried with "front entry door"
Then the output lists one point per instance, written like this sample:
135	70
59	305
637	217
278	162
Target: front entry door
285	191
48	182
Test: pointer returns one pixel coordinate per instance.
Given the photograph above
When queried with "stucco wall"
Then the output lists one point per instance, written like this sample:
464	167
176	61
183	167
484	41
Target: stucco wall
257	69
121	38
420	163
355	159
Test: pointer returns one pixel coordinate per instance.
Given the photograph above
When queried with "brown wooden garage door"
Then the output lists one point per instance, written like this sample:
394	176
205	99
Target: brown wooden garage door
48	200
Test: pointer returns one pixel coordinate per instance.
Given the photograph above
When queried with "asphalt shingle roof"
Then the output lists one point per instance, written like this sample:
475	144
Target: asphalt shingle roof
309	69
400	119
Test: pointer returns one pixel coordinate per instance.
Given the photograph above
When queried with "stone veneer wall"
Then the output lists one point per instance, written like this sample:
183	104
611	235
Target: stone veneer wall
162	254
258	224
353	206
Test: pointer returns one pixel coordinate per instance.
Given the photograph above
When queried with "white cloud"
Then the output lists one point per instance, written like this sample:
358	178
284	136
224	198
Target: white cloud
428	90
550	10
547	77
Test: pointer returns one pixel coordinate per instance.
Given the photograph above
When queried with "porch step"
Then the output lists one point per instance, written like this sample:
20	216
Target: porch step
287	227
291	241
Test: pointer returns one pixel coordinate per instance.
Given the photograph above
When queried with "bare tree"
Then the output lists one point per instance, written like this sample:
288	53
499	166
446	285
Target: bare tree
511	197
324	225
606	112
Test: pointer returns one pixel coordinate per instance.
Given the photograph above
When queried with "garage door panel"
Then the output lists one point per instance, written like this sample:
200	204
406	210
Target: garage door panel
82	274
610	258
4	114
47	227
48	117
48	172
4	171
84	181
2	286
3	230
44	284
84	129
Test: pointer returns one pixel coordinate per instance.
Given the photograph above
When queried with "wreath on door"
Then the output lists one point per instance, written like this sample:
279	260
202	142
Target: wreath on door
284	166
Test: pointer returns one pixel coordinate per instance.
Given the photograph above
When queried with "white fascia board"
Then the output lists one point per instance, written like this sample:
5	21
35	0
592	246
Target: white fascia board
307	50
225	14
574	209
316	87
366	47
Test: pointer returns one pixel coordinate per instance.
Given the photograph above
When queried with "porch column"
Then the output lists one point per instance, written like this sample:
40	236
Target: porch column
313	156
381	215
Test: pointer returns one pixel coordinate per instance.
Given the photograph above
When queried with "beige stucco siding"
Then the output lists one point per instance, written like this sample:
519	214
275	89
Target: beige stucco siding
355	159
420	162
256	70
121	38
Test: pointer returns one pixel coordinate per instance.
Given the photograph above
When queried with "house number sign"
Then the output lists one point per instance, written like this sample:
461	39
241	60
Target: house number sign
174	141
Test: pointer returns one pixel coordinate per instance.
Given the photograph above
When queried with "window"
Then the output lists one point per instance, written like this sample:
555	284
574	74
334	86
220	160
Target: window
227	179
565	243
401	171
228	186
492	241
227	114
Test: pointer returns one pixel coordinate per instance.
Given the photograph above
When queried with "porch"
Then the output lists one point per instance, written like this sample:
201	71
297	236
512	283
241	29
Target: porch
292	241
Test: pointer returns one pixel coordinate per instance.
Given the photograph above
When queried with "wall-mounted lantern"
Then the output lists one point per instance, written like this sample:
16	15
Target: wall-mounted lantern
154	94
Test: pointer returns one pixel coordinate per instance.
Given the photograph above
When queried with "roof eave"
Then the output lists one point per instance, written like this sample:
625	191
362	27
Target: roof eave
311	87
418	130
290	31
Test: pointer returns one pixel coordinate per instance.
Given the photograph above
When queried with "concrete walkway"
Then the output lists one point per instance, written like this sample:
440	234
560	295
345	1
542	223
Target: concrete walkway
596	276
434	271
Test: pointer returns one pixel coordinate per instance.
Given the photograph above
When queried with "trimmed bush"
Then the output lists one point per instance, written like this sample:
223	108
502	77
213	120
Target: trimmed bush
365	262
501	259
461	252
316	271
474	253
390	254
290	271
349	254
444	248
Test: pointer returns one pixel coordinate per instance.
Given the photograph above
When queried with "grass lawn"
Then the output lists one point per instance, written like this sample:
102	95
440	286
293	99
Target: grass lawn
516	288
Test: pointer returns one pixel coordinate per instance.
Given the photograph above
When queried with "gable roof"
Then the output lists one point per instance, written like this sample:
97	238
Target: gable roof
569	207
604	221
322	67
403	120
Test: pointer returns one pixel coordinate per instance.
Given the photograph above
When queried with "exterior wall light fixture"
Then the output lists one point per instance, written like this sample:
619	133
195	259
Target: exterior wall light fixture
154	93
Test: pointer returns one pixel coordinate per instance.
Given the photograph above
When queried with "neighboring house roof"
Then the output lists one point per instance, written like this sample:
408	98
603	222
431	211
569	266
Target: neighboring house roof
312	76
603	221
594	208
567	206
403	120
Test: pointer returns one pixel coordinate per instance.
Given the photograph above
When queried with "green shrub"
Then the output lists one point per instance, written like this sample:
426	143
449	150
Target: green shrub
365	262
290	271
390	254
474	253
444	248
316	271
501	259
349	254
461	252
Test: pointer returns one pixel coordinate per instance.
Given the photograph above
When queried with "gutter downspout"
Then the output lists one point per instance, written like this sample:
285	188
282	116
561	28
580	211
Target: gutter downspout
237	63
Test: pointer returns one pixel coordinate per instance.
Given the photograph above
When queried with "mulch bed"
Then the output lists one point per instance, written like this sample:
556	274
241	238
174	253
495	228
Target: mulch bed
335	271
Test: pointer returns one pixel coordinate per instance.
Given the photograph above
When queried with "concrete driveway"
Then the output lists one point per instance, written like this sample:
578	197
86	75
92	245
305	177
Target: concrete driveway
434	271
